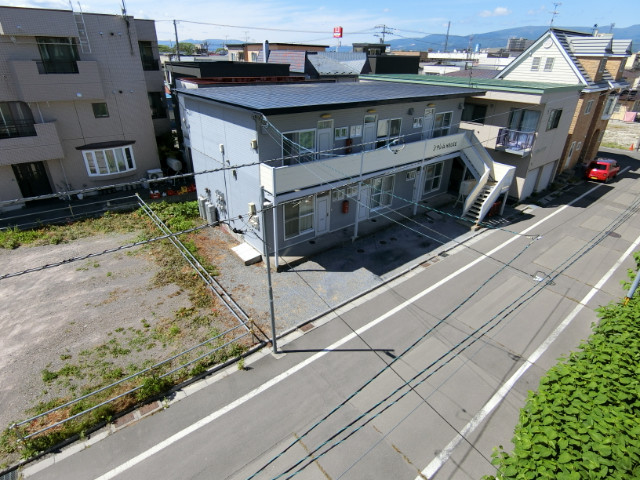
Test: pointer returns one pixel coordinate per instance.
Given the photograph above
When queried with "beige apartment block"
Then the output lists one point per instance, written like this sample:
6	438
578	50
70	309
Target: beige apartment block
81	101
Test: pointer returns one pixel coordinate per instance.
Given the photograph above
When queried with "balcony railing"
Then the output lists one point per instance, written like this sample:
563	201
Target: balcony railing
17	129
305	155
515	140
314	168
47	67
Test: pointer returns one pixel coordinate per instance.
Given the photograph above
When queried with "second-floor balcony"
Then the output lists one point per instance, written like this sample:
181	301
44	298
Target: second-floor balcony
29	143
56	66
515	141
309	168
40	81
17	129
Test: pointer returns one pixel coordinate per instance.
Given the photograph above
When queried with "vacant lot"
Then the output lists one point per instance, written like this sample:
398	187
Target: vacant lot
69	329
52	318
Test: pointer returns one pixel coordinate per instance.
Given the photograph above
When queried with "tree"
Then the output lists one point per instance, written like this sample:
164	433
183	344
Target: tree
187	48
165	49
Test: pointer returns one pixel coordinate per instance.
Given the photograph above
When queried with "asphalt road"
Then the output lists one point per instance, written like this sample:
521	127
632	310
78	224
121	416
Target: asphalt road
420	379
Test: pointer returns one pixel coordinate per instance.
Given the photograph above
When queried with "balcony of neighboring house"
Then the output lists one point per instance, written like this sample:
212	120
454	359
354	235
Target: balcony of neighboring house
42	81
25	142
303	168
515	141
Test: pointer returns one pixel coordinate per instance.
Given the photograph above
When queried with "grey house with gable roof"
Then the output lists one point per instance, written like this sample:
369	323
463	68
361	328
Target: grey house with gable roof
305	160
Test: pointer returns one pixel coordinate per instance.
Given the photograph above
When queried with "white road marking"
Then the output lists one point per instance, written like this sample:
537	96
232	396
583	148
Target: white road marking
274	381
446	453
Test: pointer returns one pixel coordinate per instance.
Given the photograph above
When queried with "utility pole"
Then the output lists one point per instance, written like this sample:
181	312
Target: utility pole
446	39
175	29
384	32
265	249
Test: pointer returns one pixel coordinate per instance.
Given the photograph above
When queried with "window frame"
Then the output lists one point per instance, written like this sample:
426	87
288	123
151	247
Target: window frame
442	131
535	64
299	220
588	107
105	162
474	117
391	128
295	144
548	64
58	54
96	114
554	119
341	133
433	178
381	195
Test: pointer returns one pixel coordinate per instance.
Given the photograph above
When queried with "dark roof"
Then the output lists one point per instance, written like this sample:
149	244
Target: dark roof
272	99
103	145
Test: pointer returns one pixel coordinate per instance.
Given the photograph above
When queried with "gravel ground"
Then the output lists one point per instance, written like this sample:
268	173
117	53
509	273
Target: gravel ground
48	317
624	134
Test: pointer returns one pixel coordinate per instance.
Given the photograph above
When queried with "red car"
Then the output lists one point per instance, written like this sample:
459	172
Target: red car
603	169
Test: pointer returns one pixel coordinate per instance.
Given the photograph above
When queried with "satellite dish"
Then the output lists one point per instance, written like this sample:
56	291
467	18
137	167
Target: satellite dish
396	145
174	164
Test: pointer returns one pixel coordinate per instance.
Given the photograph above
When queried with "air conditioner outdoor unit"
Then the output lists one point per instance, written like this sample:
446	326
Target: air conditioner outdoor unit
154	174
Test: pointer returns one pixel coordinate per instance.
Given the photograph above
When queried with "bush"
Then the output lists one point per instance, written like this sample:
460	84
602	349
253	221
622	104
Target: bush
583	420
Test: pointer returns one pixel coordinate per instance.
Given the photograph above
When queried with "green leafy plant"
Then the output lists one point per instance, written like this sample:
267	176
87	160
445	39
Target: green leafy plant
582	422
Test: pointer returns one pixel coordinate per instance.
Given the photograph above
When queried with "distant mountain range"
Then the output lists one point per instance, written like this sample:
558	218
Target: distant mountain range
494	39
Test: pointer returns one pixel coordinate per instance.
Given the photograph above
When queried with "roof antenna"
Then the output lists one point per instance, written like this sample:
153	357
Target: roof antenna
554	13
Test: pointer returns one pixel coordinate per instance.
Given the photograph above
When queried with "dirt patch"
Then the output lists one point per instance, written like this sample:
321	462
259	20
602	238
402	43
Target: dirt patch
622	135
106	311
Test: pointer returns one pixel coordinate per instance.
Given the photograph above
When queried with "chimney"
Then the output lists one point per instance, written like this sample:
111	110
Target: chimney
265	51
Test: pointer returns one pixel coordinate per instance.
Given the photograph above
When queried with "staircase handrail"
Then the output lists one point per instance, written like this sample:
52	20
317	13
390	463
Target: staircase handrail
503	176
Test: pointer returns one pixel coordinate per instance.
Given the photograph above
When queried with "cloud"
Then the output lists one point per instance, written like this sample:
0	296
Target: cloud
539	11
496	12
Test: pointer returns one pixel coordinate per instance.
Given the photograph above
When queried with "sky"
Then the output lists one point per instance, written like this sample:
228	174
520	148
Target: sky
299	22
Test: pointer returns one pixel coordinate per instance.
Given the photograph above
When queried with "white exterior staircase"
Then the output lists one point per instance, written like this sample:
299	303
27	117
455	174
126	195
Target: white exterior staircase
493	180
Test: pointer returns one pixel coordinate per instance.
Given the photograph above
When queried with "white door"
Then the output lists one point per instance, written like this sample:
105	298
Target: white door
370	132
363	202
427	122
529	183
322	215
545	176
324	139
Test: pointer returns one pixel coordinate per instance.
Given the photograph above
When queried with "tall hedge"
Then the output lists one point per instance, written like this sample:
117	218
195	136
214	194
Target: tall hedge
584	420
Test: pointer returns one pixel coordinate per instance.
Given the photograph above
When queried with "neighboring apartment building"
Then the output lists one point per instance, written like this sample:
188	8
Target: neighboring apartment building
81	102
339	158
522	124
249	52
568	57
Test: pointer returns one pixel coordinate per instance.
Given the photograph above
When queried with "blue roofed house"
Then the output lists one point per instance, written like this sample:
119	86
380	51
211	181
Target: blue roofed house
302	165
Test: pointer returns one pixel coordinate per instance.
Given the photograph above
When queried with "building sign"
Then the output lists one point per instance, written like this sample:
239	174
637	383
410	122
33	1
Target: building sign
337	32
442	146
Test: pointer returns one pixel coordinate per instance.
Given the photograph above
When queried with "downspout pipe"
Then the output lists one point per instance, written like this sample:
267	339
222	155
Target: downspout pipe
633	288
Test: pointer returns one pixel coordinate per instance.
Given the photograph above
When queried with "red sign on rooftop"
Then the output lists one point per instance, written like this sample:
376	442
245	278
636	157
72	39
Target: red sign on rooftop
337	32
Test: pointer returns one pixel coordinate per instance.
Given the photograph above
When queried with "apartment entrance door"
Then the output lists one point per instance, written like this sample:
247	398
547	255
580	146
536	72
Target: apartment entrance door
370	132
32	179
324	139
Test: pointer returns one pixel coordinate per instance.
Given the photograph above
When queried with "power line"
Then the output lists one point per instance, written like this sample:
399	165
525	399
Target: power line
504	313
116	249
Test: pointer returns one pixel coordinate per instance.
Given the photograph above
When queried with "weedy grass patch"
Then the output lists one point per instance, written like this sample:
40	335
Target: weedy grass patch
119	354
